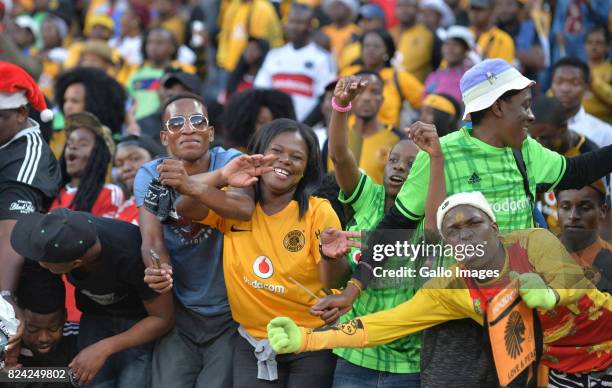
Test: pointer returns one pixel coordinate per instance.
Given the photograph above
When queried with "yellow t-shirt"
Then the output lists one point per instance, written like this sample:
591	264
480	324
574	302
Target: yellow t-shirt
495	43
340	37
261	256
598	99
348	56
374	152
241	20
411	89
414	51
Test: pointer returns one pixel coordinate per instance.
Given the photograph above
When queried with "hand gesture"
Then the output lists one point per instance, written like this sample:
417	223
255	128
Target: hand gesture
284	335
159	279
425	137
332	307
347	88
88	362
534	291
337	243
244	170
172	173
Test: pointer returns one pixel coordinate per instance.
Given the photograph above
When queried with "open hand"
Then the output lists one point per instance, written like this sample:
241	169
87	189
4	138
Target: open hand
425	137
244	170
337	243
347	88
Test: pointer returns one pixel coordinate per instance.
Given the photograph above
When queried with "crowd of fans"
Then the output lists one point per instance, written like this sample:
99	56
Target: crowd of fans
176	175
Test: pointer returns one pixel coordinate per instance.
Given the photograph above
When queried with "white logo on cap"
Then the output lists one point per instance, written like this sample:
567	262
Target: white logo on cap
262	266
491	77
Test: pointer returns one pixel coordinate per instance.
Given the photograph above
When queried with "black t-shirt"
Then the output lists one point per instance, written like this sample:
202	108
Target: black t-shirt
116	287
29	174
60	357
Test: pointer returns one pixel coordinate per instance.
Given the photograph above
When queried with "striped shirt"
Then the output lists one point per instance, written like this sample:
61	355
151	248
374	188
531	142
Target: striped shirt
402	355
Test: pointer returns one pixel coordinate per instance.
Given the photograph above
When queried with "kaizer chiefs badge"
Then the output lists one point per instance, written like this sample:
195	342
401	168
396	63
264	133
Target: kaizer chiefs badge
514	334
294	241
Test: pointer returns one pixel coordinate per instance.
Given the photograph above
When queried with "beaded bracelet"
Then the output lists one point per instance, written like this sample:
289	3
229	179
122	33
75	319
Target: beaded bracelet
341	109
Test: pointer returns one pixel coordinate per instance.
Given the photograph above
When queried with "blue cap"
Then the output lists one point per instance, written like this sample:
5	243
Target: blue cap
372	11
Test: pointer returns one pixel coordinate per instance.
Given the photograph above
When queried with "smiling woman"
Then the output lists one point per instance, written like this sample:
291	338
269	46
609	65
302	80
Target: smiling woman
272	262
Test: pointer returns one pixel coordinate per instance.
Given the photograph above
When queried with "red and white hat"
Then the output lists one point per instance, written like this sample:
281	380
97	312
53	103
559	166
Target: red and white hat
17	89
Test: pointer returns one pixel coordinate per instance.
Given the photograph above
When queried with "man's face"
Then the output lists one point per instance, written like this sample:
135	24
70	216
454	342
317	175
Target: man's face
100	32
454	51
128	160
569	86
398	166
551	136
11	122
515	118
338	11
431	18
580	212
50	34
480	17
368	103
160	46
507	10
298	25
596	46
406	11
79	146
187	144
74	99
466	225
43	331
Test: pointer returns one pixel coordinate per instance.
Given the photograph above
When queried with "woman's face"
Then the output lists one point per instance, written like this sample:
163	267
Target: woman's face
78	149
374	51
289	168
74	99
252	53
263	117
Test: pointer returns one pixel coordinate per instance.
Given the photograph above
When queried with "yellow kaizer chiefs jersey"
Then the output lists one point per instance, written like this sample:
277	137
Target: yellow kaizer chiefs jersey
263	255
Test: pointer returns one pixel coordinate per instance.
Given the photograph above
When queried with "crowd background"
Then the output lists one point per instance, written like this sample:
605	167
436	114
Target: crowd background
110	70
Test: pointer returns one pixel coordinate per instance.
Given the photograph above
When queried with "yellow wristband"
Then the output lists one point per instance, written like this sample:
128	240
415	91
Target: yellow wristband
355	284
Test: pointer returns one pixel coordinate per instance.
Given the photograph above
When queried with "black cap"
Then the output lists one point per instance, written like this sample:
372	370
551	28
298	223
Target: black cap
189	81
59	236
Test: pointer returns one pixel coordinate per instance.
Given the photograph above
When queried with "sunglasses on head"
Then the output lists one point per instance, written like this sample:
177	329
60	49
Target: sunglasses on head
198	122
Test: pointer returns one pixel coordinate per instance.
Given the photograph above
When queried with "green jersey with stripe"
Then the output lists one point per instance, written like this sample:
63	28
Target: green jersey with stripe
472	165
401	356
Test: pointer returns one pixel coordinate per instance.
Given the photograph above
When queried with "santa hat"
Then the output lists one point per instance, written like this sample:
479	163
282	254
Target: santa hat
17	89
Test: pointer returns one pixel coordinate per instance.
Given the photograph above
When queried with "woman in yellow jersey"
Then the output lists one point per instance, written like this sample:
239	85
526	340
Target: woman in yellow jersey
400	86
272	263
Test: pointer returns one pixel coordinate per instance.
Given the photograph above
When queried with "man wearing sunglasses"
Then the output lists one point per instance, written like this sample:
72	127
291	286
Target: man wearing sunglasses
198	352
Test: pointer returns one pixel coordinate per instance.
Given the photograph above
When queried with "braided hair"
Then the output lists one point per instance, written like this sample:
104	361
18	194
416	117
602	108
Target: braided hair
93	178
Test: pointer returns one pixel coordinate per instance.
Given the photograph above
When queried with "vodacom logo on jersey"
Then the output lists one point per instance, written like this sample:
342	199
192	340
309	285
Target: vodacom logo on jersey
262	266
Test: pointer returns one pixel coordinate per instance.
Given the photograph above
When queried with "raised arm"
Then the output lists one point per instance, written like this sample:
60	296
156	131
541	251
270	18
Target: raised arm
345	165
426	137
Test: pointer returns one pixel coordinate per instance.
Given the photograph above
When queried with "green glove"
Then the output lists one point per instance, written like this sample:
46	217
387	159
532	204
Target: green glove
284	335
534	291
